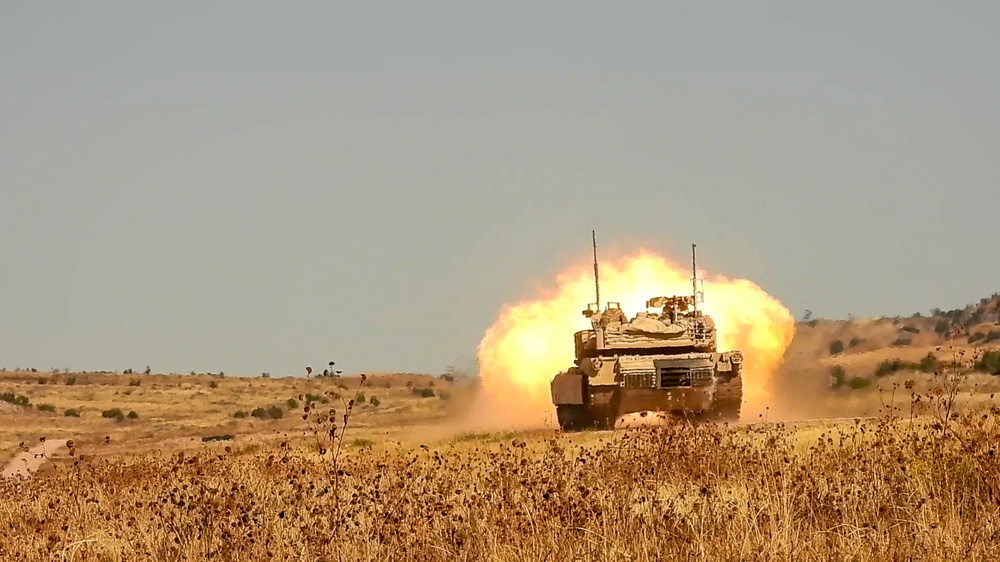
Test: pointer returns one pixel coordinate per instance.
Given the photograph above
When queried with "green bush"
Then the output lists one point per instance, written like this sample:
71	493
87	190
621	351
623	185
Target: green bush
292	403
927	364
374	401
133	416
46	408
71	413
240	414
114	413
317	398
989	363
360	398
275	413
858	383
259	413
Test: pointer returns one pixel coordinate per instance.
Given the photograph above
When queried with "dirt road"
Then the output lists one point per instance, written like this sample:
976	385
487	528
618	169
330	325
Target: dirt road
27	463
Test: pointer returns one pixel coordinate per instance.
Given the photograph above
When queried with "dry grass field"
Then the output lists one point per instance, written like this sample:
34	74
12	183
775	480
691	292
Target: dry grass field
190	477
893	488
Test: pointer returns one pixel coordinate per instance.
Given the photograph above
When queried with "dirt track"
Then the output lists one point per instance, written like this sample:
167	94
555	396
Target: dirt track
27	463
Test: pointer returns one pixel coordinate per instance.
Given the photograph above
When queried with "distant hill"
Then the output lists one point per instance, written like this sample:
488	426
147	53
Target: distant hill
975	325
858	354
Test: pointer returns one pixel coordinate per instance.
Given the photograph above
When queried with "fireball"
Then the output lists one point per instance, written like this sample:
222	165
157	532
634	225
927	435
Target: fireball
532	340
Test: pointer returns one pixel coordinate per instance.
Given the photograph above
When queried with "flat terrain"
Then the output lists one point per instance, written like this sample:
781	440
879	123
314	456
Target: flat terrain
169	467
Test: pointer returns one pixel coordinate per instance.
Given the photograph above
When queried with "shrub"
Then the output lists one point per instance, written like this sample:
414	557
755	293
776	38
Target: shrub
942	326
425	392
135	382
240	414
46	408
447	377
71	381
855	341
360	399
132	415
259	413
989	363
837	376
836	347
318	398
71	413
978	336
15	399
889	366
374	401
275	413
929	363
911	329
292	403
858	383
444	395
213	384
114	413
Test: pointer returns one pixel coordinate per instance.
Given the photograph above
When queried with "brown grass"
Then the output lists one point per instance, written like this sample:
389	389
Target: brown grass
176	411
896	488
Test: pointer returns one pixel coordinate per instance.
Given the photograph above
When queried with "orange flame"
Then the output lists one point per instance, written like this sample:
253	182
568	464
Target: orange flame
533	340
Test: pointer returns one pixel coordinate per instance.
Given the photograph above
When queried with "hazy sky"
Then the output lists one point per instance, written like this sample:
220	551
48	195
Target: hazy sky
251	187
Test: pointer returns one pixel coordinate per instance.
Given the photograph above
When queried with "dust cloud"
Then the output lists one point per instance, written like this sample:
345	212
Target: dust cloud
531	341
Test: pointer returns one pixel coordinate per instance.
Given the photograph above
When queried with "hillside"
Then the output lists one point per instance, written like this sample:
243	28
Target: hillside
844	362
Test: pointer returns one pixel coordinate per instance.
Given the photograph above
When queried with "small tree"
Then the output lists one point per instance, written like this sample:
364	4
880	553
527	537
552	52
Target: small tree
836	347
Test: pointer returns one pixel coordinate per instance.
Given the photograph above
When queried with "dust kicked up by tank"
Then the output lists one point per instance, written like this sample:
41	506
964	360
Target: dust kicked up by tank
533	340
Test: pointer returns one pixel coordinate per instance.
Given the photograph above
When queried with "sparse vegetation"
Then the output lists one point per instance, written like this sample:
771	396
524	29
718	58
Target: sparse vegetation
836	347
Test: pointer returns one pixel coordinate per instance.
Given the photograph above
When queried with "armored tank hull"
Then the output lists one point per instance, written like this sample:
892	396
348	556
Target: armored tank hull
702	386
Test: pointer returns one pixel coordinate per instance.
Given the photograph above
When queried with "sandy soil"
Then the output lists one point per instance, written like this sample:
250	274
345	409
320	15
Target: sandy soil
27	463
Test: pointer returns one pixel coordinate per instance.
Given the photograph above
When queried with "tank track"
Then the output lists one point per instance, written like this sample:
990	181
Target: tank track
728	401
600	413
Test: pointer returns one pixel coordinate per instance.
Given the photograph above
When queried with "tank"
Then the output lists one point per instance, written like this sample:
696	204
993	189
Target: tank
664	360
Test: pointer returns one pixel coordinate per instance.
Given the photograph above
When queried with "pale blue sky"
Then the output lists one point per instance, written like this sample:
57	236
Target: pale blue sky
251	186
